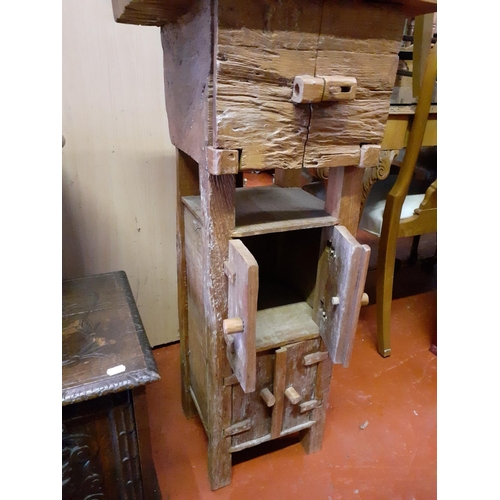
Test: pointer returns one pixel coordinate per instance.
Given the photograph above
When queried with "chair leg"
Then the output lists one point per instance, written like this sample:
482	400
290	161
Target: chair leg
384	286
413	257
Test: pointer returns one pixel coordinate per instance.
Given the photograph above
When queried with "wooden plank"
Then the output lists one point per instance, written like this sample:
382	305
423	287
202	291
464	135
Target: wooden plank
312	439
261	47
348	123
186	89
271	209
302	379
372	72
334	191
287	177
268	437
309	405
187	184
280	367
347	267
149	479
315	357
251	405
319	155
279	326
350	200
217	209
149	12
242	303
238	428
359	26
194	342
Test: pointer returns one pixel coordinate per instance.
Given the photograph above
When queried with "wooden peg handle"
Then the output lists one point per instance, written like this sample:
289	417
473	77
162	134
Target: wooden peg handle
365	300
293	396
307	89
268	397
232	325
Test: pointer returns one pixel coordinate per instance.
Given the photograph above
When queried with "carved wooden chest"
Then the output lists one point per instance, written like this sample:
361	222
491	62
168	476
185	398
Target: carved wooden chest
271	278
106	363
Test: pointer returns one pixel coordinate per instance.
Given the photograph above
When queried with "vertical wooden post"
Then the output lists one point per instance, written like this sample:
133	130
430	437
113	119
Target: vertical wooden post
217	204
352	192
312	439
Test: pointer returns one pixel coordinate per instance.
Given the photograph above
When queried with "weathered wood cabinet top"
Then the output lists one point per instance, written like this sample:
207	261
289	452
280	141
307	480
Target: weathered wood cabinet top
231	67
104	346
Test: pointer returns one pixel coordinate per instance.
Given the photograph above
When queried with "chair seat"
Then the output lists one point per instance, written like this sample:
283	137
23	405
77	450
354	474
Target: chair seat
373	211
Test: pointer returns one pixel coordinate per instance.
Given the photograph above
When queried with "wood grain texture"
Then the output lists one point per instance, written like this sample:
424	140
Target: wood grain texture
278	326
100	334
118	188
345	264
251	405
370	154
159	12
361	41
187	183
193	340
255	70
242	304
279	386
217	207
270	209
261	48
149	12
187	61
350	200
302	378
222	161
312	439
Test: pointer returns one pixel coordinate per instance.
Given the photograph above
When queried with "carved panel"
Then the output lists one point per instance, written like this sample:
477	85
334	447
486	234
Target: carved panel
100	453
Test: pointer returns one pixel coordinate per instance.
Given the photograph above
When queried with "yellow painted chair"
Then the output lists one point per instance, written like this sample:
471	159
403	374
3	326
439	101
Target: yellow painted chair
397	214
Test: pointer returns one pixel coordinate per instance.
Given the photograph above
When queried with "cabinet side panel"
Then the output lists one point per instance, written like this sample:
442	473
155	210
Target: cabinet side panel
196	317
187	62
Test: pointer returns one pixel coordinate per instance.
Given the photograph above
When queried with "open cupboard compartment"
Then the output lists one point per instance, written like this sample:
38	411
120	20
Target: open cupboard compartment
295	280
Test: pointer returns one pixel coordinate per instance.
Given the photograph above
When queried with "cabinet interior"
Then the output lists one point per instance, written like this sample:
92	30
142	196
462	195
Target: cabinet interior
288	264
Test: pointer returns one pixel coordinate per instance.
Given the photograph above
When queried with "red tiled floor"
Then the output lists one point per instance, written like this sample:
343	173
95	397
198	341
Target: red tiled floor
394	457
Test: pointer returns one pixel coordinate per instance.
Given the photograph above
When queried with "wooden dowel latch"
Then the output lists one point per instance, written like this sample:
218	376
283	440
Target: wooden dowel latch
365	300
231	327
311	89
268	397
293	396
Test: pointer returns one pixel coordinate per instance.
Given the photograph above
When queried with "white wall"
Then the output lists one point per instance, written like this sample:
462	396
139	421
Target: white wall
118	162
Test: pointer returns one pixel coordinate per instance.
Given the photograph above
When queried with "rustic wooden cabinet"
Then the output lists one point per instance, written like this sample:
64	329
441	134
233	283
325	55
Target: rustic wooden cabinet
270	279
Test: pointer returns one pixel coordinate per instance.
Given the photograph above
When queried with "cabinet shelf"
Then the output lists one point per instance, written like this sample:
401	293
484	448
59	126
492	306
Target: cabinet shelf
282	325
271	209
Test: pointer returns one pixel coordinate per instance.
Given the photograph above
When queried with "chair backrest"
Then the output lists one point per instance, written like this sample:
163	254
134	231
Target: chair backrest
397	195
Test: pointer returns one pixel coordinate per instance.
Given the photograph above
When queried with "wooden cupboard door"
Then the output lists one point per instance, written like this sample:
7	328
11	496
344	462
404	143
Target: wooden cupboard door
340	284
252	406
242	271
300	382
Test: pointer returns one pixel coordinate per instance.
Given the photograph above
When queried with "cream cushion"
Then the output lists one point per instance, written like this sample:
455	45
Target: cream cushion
373	211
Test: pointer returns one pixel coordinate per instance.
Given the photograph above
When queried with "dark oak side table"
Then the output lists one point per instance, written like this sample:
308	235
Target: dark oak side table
107	360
